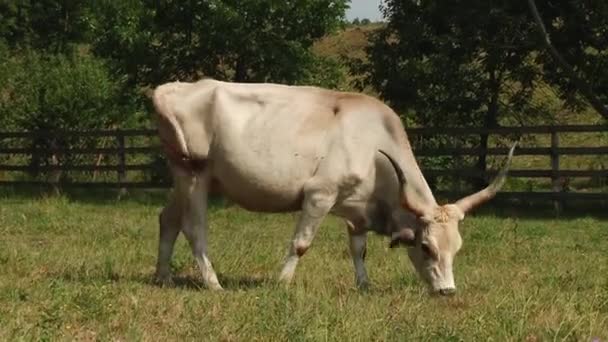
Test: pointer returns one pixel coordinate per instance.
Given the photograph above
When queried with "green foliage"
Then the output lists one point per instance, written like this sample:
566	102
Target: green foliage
442	68
360	22
122	32
5	72
479	63
159	41
578	30
49	25
324	72
55	92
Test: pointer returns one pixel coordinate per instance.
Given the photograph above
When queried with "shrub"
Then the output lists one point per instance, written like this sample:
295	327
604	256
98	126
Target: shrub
44	92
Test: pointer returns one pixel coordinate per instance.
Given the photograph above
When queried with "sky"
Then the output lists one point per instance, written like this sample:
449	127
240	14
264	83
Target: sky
364	9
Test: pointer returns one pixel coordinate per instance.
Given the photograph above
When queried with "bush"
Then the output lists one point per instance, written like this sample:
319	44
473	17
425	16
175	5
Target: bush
43	92
55	92
324	72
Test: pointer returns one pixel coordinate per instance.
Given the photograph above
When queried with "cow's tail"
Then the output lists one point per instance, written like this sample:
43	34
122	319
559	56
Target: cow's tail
170	132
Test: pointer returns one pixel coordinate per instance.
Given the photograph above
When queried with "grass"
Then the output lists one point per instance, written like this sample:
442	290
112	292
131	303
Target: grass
79	267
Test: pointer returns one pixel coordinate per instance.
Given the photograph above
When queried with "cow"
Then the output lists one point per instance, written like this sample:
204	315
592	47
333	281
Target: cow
277	148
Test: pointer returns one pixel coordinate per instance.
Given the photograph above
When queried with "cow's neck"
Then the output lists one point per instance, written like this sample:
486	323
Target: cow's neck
416	183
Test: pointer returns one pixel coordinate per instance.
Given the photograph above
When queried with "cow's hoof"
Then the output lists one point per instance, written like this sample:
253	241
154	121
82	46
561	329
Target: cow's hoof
285	279
164	281
363	285
215	287
286	283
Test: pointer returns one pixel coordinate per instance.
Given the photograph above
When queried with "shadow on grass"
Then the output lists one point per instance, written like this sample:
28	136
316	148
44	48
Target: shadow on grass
85	195
227	282
96	196
529	209
543	210
183	282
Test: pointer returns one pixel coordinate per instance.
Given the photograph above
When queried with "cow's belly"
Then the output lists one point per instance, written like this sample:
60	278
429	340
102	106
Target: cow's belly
262	156
263	183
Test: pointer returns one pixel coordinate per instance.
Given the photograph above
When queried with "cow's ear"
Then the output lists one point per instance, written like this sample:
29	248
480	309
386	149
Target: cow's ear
404	237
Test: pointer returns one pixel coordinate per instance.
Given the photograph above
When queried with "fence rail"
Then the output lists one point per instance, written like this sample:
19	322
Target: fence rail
121	152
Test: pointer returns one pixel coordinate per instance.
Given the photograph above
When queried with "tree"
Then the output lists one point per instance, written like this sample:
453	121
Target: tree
56	92
261	40
439	67
580	31
49	25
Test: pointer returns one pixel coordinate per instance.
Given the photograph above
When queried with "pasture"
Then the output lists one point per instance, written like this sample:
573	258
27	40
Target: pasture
79	267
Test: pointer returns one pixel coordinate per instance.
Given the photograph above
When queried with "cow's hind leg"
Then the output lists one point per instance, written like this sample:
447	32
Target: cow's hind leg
358	248
194	226
186	211
316	205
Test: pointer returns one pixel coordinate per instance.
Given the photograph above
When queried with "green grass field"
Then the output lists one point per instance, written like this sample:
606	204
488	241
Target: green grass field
79	267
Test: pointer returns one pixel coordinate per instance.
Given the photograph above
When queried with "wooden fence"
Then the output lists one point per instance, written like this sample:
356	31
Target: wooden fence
119	149
126	151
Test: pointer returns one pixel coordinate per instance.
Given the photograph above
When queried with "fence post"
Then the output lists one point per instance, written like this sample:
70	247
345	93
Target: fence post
121	162
557	203
55	171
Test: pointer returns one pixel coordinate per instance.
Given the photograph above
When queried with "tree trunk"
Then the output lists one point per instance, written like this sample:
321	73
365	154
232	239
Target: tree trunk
490	121
240	70
581	85
62	42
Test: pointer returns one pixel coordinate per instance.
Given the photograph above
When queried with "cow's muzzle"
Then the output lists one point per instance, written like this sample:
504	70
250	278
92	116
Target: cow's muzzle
448	291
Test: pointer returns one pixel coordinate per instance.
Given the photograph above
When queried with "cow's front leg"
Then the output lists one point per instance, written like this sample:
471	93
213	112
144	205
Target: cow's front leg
316	206
195	228
358	248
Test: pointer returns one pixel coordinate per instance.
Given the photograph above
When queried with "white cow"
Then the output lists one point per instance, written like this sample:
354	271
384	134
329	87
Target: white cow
276	148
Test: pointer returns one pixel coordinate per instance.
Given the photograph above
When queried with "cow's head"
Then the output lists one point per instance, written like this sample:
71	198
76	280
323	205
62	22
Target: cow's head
432	243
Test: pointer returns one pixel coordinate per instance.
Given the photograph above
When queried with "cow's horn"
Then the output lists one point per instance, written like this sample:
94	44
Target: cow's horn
468	203
406	203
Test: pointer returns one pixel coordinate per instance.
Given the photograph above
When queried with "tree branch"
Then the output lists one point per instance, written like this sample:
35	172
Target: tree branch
582	86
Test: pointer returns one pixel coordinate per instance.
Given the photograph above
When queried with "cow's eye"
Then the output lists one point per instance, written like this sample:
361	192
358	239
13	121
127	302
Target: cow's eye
427	250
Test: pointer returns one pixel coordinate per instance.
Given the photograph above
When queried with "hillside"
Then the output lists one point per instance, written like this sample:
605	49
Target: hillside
350	42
